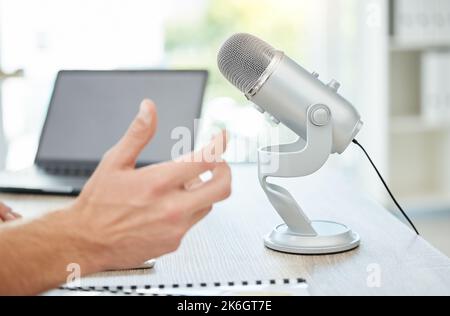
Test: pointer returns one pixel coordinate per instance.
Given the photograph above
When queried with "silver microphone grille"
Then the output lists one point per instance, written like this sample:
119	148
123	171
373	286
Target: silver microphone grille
243	59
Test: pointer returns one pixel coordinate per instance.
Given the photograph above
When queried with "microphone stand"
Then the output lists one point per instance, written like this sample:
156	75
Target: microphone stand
298	234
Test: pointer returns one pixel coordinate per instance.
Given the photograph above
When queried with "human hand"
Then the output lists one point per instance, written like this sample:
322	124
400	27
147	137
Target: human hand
130	215
7	214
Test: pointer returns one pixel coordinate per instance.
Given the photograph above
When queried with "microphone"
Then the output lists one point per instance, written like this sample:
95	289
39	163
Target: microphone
278	85
325	122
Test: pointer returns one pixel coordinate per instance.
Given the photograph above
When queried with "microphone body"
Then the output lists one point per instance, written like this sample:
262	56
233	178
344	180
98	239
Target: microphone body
281	87
290	90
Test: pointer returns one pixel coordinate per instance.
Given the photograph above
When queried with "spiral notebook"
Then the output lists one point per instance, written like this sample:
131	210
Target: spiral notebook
285	287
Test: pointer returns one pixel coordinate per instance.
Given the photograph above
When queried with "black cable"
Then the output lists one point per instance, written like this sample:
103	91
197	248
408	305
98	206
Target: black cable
386	186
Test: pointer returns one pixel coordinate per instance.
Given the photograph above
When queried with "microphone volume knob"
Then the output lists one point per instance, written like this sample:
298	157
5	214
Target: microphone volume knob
334	85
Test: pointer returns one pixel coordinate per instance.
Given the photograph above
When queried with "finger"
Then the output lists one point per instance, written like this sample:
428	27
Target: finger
139	134
6	213
3	206
16	215
209	193
4	209
189	167
193	184
212	152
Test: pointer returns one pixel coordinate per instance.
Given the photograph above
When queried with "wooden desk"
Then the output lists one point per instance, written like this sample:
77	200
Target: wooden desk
228	245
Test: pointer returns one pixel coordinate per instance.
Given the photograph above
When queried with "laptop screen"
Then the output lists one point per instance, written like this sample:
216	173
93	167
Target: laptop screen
91	110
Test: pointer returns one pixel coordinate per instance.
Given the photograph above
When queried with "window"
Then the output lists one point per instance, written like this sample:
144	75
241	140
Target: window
41	37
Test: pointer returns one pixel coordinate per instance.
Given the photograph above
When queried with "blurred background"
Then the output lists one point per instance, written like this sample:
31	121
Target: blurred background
392	58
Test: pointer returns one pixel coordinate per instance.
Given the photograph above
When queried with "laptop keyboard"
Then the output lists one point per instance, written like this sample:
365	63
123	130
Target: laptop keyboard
69	171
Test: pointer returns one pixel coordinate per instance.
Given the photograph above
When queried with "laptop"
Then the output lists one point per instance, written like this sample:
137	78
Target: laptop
90	111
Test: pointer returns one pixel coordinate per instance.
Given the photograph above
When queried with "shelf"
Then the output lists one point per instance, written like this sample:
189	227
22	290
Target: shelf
418	165
16	74
417	46
417	124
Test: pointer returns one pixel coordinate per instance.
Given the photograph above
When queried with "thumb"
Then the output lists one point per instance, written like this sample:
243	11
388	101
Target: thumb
139	134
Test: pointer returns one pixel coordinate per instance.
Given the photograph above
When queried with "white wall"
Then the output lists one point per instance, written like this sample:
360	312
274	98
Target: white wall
2	136
355	52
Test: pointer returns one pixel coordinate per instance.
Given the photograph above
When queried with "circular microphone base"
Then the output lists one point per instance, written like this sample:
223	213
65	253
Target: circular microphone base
331	238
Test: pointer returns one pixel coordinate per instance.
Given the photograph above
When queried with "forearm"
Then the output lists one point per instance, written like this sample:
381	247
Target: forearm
35	255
